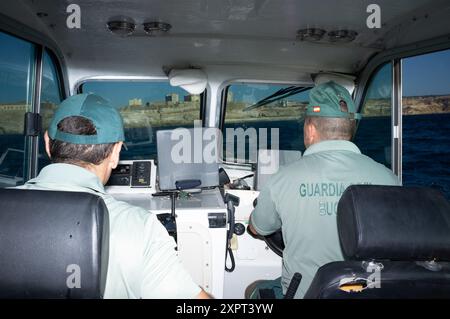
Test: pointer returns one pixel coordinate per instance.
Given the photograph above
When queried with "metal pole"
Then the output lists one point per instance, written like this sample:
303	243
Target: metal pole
36	105
397	93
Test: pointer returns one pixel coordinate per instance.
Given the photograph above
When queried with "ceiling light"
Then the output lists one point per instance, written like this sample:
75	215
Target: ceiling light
342	35
310	34
123	27
156	28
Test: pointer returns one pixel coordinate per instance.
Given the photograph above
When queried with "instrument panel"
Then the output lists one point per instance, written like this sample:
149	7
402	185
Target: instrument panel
134	176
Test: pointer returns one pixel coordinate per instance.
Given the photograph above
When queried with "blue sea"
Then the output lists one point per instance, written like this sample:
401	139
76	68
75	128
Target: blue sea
426	146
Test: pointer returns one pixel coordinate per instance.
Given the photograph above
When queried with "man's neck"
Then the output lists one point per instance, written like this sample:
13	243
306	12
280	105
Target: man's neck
316	141
99	171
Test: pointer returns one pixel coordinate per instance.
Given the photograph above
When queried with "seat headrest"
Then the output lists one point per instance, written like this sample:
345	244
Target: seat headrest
52	244
394	223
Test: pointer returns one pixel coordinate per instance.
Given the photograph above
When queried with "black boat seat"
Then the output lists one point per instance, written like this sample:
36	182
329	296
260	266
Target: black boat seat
396	241
52	244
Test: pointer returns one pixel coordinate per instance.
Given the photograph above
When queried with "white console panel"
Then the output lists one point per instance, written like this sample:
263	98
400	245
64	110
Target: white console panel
254	259
200	247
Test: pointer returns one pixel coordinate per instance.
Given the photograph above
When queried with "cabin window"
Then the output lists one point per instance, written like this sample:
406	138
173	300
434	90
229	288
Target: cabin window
373	135
146	107
51	96
16	86
426	121
255	113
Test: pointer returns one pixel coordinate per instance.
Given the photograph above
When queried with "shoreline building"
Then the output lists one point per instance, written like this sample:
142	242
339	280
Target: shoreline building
192	98
135	102
172	99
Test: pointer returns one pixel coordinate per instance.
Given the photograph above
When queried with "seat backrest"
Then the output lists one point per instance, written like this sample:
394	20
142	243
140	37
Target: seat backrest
52	244
397	244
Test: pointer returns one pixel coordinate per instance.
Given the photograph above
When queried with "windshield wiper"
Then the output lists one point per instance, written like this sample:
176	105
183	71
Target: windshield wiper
278	95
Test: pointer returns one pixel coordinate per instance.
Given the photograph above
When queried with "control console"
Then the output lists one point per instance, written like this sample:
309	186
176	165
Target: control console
197	220
133	177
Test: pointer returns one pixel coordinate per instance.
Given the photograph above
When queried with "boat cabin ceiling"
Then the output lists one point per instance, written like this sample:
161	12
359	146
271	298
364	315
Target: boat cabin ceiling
233	39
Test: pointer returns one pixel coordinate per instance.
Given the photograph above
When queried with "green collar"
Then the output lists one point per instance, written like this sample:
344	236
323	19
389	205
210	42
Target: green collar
332	145
68	174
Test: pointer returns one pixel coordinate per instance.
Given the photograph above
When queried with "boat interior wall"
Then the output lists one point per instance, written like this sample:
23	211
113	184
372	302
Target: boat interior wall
257	33
26	15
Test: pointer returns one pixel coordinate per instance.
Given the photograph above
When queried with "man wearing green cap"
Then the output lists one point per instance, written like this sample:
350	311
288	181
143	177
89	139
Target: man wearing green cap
83	141
302	197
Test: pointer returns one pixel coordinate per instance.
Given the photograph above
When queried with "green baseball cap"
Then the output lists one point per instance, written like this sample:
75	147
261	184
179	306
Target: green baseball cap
331	100
106	119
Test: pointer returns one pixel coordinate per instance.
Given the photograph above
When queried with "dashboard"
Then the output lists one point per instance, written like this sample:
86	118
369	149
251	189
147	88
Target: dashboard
199	223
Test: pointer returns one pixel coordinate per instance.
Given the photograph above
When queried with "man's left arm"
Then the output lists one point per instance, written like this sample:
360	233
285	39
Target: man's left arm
264	219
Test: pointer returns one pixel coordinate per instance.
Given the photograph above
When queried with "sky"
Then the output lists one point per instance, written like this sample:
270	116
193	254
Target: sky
427	74
422	75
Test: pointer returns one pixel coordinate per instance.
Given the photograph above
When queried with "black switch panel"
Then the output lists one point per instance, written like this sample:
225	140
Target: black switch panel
217	220
120	176
140	175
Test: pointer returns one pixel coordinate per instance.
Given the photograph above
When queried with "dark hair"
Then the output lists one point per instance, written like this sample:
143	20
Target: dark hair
333	128
78	154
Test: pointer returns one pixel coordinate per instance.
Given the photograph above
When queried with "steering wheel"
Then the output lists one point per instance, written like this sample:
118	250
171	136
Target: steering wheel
274	241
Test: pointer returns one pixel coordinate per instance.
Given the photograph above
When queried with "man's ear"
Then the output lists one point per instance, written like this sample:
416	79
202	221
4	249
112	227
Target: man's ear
47	144
312	131
308	132
115	154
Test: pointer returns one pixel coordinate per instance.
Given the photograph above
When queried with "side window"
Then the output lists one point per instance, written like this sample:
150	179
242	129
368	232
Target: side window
255	111
16	81
426	120
50	98
373	135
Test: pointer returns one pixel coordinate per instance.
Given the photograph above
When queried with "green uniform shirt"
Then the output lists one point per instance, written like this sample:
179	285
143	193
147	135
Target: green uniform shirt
142	259
302	199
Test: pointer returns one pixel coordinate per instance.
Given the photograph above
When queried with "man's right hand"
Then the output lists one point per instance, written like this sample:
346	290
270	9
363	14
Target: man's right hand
203	295
252	231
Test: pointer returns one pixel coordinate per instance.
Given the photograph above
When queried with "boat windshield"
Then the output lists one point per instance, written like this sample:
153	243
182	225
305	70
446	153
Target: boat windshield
146	107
